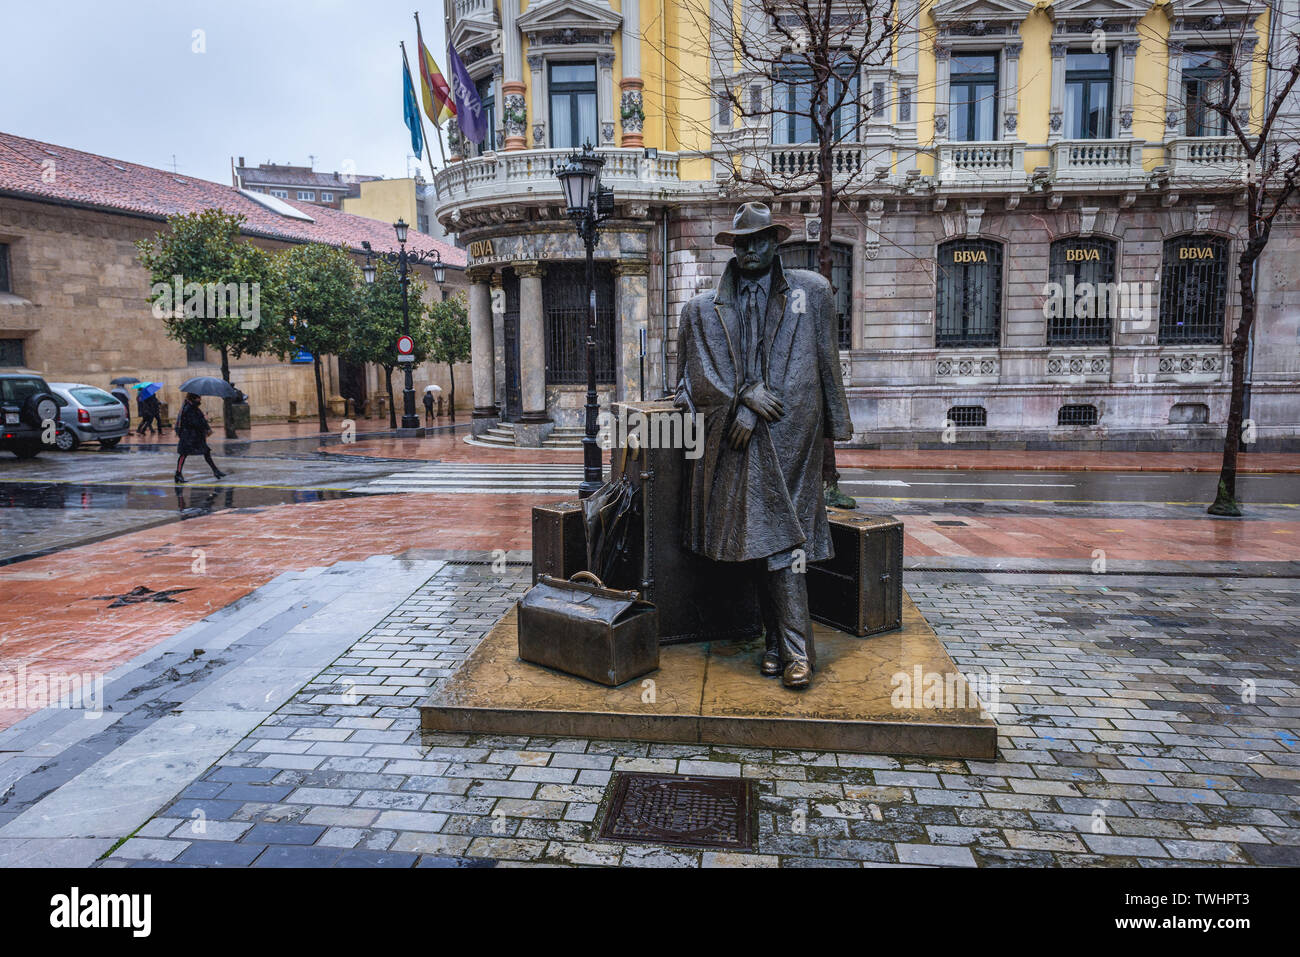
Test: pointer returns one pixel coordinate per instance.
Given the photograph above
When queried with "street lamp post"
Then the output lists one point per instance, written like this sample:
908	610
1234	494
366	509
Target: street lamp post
588	204
404	260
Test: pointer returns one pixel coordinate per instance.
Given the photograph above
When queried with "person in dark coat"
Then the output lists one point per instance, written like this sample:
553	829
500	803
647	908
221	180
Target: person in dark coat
119	393
193	430
760	364
150	415
428	408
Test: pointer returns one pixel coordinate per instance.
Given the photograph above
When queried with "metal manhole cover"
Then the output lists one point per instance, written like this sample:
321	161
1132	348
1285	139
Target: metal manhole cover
952	523
680	809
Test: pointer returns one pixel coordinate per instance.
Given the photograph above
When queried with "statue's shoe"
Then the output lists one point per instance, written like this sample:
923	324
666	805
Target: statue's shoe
798	674
770	665
837	499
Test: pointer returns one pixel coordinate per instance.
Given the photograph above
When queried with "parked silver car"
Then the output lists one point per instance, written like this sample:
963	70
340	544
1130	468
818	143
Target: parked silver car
89	414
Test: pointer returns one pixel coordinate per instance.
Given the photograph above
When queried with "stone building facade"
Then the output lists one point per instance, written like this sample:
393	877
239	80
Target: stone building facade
74	298
957	265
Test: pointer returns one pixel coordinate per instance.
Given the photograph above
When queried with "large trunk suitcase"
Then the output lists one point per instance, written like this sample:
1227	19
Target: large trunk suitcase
698	599
585	629
860	589
559	540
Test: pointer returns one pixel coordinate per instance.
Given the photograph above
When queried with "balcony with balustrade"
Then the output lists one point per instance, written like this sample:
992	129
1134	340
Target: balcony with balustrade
1206	160
994	164
528	176
1097	161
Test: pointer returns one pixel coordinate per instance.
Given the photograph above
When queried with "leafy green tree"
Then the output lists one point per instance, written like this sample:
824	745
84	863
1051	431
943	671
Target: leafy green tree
212	288
449	338
324	298
374	335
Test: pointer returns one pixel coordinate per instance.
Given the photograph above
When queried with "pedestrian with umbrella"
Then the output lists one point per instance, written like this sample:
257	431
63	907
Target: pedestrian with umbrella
119	392
192	426
146	400
428	403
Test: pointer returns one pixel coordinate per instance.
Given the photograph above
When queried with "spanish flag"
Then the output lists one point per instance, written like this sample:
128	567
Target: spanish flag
438	104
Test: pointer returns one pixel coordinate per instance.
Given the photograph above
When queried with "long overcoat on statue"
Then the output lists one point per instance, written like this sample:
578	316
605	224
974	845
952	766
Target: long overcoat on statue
767	498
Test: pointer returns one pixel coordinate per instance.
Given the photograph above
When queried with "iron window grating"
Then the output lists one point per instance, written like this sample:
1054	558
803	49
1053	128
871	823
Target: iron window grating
4	269
564	296
1089	261
804	256
1193	290
13	352
968	416
1077	415
968	306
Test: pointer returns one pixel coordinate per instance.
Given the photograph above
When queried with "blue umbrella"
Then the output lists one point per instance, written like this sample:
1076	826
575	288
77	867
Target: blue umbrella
150	389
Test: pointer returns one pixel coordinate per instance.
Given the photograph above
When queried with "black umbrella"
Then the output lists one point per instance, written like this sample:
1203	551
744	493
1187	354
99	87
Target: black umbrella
210	385
123	380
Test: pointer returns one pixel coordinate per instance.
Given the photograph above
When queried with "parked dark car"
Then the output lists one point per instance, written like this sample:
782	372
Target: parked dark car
27	403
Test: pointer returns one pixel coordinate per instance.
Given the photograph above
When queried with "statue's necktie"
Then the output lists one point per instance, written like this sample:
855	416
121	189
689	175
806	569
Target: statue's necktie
751	331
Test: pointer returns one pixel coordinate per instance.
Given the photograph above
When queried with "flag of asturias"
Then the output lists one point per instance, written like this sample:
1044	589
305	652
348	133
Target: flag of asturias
411	112
438	105
469	108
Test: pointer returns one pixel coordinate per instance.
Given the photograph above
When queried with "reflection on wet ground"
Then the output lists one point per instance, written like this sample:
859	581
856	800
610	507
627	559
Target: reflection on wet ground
188	500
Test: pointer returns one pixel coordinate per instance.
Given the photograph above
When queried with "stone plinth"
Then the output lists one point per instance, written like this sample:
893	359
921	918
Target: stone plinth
712	693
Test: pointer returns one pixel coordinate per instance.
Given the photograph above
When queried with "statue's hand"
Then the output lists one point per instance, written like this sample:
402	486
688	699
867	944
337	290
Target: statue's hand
739	434
764	402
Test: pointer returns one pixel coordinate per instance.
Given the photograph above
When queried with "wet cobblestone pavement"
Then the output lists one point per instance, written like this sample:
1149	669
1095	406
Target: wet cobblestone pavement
1144	723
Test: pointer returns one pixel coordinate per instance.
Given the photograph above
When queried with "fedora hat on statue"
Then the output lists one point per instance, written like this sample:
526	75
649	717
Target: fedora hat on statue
752	218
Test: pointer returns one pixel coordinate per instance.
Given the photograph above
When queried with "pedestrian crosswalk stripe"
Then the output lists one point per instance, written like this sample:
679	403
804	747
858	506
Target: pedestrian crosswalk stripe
498	478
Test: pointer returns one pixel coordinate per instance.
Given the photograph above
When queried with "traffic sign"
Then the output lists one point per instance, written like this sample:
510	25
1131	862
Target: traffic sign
405	345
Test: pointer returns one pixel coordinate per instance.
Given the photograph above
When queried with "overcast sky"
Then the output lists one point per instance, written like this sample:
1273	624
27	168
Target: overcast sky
280	80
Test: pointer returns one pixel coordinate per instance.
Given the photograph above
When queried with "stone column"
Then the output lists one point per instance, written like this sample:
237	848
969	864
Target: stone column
1010	91
1128	50
942	70
605	97
632	302
482	361
534	424
631	105
1174	92
514	112
1056	113
537	66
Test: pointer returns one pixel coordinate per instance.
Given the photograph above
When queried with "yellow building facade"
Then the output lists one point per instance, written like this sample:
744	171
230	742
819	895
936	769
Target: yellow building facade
1000	155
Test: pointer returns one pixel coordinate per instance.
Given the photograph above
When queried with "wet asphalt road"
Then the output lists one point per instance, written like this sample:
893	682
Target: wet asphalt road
1174	488
59	500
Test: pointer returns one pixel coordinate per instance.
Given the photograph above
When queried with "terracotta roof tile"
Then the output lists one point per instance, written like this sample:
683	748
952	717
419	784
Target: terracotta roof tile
36	170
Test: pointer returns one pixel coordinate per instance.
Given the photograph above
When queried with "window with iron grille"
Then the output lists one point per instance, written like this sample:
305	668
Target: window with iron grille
1077	415
1193	289
12	353
969	293
196	352
804	256
564	294
1083	271
968	416
4	268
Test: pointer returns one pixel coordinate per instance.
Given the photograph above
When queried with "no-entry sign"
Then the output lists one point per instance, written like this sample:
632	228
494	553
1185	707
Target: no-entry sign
405	348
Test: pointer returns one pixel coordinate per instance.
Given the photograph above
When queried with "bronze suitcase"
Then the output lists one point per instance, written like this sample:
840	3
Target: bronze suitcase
584	629
860	589
559	540
697	599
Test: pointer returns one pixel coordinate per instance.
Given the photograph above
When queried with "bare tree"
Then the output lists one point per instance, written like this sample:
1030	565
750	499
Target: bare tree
1267	153
789	75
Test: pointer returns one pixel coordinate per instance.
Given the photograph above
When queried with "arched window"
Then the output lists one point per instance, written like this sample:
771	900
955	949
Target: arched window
968	310
1193	289
1082	298
804	256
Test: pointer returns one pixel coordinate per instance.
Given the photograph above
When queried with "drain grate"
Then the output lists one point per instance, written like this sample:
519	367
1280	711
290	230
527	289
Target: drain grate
680	809
952	523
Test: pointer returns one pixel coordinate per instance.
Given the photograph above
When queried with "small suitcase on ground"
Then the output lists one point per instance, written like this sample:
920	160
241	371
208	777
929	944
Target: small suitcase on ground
559	540
584	629
860	590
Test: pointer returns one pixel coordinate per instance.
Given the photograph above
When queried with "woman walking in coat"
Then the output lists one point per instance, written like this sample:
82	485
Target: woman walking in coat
193	429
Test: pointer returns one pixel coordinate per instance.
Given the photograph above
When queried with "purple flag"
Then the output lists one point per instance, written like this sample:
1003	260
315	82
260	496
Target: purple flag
469	108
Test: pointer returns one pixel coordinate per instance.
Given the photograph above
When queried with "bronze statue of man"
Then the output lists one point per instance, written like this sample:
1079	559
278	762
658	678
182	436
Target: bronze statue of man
759	362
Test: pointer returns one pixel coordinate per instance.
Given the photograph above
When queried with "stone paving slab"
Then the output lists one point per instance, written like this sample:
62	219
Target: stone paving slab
1145	722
